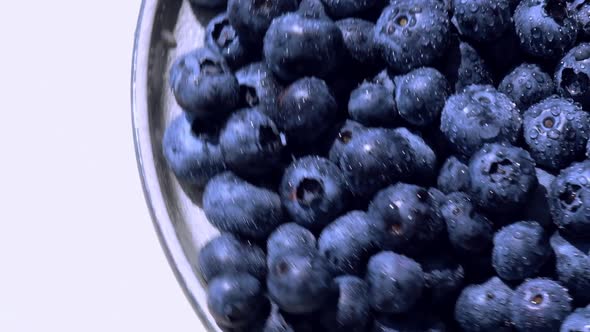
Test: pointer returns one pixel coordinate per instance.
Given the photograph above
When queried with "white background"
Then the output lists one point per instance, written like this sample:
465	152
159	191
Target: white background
77	248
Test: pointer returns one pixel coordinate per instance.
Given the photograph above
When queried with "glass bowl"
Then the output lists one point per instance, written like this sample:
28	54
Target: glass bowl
165	29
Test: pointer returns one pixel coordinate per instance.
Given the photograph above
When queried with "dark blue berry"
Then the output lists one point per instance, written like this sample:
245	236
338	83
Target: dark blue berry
209	3
345	134
413	322
411	216
545	28
349	242
572	75
313	191
420	95
373	104
412	34
573	265
279	321
352	312
526	85
227	254
480	115
443	278
484	307
470	233
395	282
462	66
424	158
538	207
348	8
238	207
221	37
289	237
192	154
236	300
259	88
359	41
503	178
520	250
482	20
539	305
296	46
578	321
251	143
300	282
203	84
570	199
580	11
453	176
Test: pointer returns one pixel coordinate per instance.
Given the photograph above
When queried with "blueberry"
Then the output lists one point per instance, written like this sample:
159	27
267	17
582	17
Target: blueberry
289	237
372	159
348	130
556	131
463	66
252	18
226	254
236	206
453	176
526	85
580	11
193	155
538	207
359	41
470	233
236	300
412	34
300	282
569	199
373	104
414	322
425	161
395	282
297	46
279	321
573	265
348	8
352	312
485	307
503	178
209	3
221	37
251	143
420	95
313	192
203	84
539	305
259	88
572	75
443	278
482	20
520	250
578	321
480	115
349	242
312	9
411	215
545	28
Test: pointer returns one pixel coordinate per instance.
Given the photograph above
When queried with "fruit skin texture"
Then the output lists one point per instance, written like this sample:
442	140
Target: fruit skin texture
453	176
545	28
538	207
420	95
539	305
481	20
573	265
556	131
570	199
520	250
226	254
193	156
395	282
444	278
251	143
238	207
572	75
222	38
425	161
578	321
300	282
579	10
503	178
412	34
259	88
411	215
480	115
297	46
306	108
348	8
352	312
373	105
527	85
484	307
349	242
348	130
203	84
289	237
236	300
313	191
463	66
359	41
414	322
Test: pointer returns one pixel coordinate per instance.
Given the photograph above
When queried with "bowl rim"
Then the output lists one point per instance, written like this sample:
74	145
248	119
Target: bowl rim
168	238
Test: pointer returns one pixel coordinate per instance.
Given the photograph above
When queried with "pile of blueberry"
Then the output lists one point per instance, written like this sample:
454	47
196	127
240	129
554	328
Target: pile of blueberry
403	165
